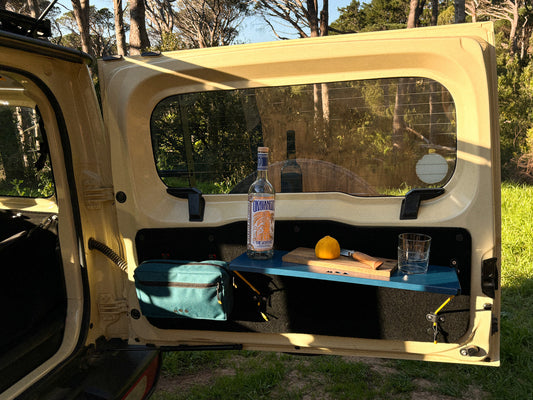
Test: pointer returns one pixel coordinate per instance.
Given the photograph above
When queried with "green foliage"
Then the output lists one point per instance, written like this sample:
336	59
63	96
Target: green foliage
515	72
18	188
203	138
377	15
515	90
446	15
350	18
20	148
170	42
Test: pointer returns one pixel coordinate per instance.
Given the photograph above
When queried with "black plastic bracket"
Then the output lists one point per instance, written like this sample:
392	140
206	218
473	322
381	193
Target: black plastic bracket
184	347
196	201
112	57
411	202
489	277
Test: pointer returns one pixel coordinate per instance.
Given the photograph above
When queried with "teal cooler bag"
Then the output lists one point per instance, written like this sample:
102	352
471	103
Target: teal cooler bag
184	289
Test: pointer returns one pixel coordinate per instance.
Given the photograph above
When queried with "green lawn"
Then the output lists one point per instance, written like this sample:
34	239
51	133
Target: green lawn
254	375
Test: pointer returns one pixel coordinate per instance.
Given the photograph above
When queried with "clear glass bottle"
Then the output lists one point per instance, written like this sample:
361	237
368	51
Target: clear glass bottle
260	243
291	172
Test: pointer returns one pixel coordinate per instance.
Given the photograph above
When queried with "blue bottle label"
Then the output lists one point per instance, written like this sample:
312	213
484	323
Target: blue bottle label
262	161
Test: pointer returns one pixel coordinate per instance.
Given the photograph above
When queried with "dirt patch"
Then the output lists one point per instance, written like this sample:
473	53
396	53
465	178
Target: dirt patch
184	383
377	365
307	386
475	393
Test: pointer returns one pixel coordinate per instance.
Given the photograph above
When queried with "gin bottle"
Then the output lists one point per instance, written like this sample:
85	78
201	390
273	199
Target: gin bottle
260	244
291	172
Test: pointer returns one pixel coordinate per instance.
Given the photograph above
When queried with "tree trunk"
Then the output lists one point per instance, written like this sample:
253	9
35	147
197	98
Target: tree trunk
312	16
460	12
34	8
324	22
139	41
80	9
434	12
415	10
119	27
434	94
317	109
10	146
472	6
513	39
324	18
524	41
398	121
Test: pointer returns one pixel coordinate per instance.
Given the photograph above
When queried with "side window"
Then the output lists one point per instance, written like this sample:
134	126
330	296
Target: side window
24	163
367	138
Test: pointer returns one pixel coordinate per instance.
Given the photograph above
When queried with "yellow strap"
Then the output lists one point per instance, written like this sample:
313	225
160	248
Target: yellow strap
444	304
254	289
438	310
248	283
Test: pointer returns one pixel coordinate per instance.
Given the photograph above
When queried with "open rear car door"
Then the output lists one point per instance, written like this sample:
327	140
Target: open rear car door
392	132
54	195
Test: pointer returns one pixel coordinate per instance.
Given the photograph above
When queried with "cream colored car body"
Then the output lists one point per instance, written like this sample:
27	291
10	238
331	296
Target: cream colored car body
94	158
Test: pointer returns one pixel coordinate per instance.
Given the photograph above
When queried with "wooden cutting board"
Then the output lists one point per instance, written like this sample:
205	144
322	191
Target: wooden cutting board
342	265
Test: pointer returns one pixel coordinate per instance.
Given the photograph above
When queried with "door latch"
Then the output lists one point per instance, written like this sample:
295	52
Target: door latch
489	277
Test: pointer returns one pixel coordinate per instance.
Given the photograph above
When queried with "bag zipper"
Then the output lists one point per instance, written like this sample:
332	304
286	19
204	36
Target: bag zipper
193	263
216	284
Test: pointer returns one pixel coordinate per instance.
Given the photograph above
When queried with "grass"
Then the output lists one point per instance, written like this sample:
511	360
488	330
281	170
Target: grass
255	375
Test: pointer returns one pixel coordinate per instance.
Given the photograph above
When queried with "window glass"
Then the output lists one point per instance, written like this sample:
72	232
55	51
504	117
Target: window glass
24	163
367	138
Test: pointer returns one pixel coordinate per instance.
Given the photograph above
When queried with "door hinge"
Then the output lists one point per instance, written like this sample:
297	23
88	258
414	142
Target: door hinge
110	309
96	191
94	197
489	277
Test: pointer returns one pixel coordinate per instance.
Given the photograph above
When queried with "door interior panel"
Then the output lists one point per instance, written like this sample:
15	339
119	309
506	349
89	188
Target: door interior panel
295	305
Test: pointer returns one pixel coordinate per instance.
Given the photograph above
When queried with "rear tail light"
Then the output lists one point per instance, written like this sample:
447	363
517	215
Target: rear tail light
144	385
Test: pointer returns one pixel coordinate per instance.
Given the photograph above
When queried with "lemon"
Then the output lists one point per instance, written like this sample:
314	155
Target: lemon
328	248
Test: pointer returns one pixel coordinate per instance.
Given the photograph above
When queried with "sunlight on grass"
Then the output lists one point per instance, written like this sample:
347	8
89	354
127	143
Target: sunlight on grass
517	234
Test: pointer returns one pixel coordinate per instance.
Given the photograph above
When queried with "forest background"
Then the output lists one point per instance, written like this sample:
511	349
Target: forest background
135	26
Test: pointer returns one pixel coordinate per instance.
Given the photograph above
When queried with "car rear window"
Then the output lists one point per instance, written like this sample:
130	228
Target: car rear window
367	138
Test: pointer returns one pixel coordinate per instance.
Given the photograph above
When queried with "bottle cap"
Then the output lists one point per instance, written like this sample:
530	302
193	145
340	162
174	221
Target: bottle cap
262	149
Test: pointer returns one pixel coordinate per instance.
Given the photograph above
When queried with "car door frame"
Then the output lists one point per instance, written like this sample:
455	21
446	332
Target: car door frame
132	86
